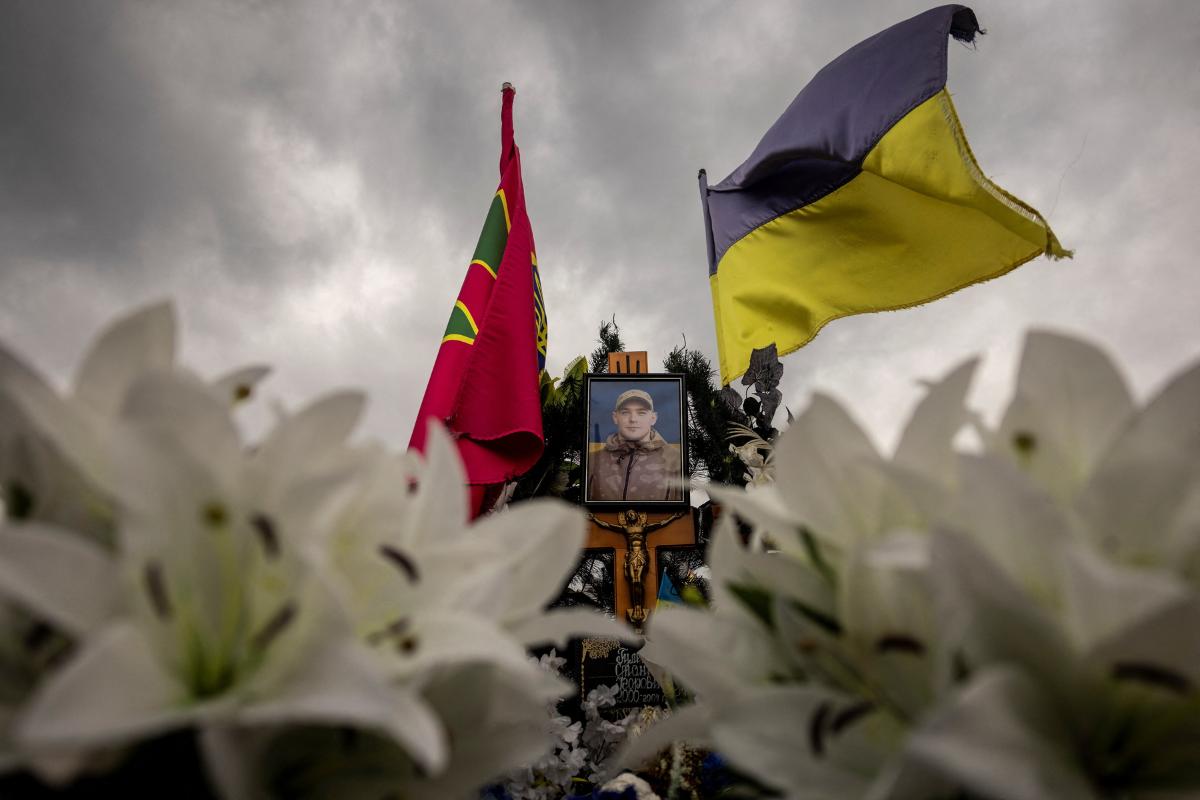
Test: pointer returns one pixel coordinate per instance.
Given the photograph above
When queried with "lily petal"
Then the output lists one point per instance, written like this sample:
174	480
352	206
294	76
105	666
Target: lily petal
775	735
318	428
1071	401
180	408
764	509
74	430
539	542
821	460
86	704
495	721
58	576
1147	475
1103	598
925	446
143	340
981	611
1015	521
442	639
342	684
711	655
731	563
439	509
1168	640
888	617
999	738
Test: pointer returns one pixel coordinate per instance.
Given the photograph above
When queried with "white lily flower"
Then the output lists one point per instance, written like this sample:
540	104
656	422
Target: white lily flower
77	424
1136	502
1069	404
1103	698
51	474
839	621
832	482
413	568
54	449
1042	643
1020	526
493	723
790	658
435	596
221	620
1128	476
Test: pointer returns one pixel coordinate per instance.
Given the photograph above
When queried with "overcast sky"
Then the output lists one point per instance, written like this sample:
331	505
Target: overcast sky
307	179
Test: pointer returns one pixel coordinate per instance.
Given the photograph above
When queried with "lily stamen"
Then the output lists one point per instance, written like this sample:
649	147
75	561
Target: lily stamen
394	630
156	589
816	730
267	537
274	627
900	642
1153	675
400	559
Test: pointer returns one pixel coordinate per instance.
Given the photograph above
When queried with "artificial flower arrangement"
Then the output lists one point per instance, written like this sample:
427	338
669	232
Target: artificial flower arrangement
1013	620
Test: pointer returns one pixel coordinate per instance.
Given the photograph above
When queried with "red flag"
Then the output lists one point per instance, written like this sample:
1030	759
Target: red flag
485	381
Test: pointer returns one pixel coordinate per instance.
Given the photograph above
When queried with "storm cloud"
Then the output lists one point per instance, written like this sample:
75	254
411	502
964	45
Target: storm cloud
307	179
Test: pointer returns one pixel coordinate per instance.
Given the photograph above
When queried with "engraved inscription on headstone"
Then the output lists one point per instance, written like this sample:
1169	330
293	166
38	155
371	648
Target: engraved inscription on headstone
637	687
606	662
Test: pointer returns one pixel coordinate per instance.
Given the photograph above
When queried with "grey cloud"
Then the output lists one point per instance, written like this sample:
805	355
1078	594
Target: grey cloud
308	178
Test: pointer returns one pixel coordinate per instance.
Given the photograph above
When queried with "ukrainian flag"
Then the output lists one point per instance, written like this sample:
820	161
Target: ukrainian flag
864	196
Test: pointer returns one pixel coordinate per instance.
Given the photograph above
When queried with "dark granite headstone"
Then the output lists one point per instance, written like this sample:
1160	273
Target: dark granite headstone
606	662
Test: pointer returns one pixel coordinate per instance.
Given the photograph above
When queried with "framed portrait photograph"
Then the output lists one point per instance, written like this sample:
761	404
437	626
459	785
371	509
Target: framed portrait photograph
636	454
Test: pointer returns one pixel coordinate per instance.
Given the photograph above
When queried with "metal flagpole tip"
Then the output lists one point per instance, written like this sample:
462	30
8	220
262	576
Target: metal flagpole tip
506	86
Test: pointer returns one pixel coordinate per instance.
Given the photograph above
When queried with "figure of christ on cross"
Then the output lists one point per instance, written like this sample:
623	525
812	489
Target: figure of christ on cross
633	525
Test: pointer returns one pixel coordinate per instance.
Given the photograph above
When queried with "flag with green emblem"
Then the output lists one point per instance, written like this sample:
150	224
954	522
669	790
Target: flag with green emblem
485	383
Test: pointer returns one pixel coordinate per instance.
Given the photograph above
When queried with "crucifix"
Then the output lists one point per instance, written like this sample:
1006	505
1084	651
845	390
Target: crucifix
636	556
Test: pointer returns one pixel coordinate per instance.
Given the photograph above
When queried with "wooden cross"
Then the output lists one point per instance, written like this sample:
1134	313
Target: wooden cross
629	532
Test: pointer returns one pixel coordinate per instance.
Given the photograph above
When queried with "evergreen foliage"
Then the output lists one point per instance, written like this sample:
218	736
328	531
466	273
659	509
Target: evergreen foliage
559	471
709	417
610	342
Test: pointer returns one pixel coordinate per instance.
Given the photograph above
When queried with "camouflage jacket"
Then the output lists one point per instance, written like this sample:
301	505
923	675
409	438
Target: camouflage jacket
645	470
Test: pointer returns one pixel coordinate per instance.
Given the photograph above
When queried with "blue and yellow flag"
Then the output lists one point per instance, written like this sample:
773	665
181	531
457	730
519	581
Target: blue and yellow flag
864	196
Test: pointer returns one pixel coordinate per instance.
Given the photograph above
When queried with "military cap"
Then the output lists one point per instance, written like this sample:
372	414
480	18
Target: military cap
634	394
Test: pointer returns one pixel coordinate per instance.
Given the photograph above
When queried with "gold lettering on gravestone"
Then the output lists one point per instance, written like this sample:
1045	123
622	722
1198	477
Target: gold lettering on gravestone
598	648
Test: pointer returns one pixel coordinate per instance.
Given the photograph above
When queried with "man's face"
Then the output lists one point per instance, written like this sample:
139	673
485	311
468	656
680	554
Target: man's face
634	421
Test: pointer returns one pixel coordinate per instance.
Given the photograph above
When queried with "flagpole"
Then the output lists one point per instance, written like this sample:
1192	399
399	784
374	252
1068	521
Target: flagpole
507	93
708	234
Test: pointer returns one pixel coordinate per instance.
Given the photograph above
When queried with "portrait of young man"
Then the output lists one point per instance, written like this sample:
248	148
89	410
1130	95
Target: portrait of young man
635	451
